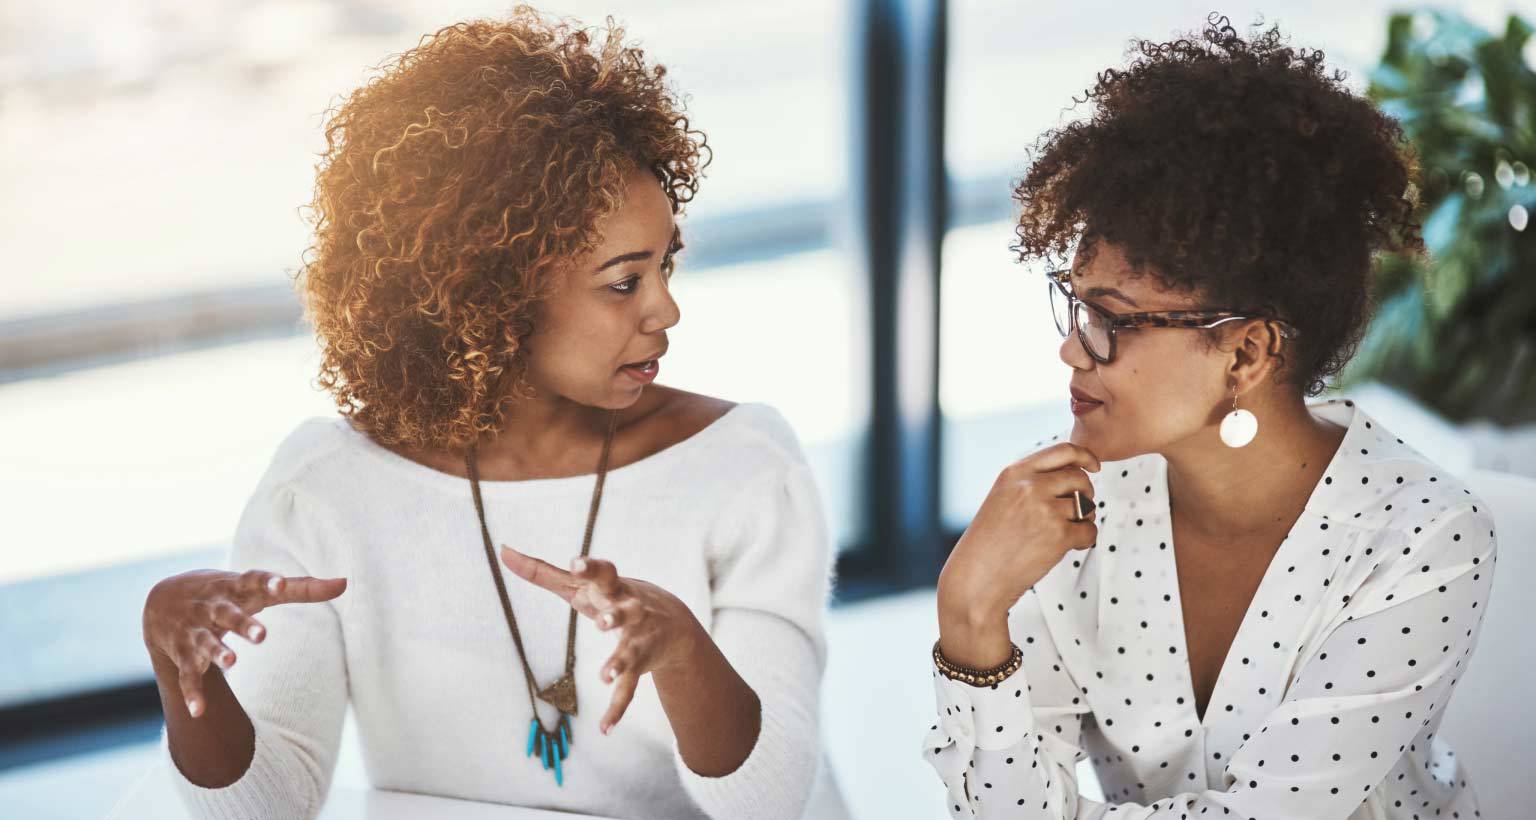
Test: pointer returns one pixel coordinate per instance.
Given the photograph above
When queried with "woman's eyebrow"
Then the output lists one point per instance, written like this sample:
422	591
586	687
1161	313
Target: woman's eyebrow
632	256
1112	292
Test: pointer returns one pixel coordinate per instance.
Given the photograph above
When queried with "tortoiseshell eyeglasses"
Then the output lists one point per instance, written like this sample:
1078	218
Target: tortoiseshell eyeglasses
1096	327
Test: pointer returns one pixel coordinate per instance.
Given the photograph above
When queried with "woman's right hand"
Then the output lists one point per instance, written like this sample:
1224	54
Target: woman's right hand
1023	529
186	617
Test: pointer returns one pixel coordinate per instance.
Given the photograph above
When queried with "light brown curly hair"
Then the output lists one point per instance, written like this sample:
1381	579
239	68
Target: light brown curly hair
454	184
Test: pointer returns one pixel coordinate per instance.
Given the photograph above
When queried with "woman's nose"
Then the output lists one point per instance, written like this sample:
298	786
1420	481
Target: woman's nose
665	313
1072	352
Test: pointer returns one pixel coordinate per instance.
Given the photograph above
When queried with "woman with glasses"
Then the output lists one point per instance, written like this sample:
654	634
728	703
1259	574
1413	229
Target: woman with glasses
1231	602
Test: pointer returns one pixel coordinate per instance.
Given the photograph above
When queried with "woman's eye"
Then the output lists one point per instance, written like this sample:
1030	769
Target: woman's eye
625	286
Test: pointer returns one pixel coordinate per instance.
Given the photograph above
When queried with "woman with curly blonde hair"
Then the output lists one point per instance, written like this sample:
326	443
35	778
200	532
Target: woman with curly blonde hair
490	283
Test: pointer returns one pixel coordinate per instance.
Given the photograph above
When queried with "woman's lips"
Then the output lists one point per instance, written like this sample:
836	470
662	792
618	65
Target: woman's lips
1081	407
644	372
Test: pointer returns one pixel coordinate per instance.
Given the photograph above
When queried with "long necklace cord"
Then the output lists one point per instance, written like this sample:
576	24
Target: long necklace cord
552	746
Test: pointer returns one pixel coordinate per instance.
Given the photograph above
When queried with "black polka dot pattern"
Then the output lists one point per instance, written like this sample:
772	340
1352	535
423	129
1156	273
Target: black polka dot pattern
1330	695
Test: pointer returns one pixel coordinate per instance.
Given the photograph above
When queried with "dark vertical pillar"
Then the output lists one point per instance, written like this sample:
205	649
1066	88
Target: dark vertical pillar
900	193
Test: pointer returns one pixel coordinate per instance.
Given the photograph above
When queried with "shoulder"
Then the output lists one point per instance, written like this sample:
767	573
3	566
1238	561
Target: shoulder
750	432
1386	484
311	444
321	470
1422	523
668	416
1437	520
300	493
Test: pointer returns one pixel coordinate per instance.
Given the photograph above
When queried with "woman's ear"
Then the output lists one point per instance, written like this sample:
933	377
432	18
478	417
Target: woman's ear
1255	349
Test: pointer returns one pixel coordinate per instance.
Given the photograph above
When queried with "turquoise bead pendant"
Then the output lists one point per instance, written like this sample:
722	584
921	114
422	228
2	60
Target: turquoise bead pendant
552	747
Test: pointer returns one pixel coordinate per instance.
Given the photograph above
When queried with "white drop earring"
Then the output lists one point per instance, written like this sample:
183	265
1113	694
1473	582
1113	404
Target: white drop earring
1239	426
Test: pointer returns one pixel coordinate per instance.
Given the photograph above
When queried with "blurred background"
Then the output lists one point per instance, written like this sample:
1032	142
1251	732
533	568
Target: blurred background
847	262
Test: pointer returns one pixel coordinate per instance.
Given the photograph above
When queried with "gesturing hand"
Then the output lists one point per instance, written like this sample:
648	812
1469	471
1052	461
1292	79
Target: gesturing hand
186	617
657	630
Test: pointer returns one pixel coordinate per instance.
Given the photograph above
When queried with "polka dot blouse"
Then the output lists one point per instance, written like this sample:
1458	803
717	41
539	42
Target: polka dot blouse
1327	704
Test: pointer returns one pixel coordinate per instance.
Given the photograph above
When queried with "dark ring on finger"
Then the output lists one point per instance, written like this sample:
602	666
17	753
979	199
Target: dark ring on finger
1081	506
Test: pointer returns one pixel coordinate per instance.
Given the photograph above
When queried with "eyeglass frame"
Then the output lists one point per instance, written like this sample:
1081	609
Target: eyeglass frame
1202	319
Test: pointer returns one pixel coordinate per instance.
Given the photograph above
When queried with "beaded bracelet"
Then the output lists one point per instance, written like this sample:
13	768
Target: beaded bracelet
979	677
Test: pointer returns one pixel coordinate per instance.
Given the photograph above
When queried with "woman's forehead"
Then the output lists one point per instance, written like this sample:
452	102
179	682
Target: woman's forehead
1105	276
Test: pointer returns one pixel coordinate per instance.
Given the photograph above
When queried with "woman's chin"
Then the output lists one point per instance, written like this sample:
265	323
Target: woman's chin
624	394
1101	450
1079	435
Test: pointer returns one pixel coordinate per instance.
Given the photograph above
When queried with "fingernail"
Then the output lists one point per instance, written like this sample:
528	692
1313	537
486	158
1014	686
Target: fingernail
272	585
192	707
579	565
256	633
607	619
605	727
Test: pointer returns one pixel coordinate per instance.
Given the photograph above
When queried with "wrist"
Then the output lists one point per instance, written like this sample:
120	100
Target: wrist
690	645
974	637
967	607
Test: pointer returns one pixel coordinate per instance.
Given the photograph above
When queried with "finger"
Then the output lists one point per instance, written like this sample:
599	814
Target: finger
1061	455
231	618
1061	483
539	573
1088	511
212	650
598	598
1082	534
304	589
623	693
623	659
189	678
601	574
624	614
256	587
581	601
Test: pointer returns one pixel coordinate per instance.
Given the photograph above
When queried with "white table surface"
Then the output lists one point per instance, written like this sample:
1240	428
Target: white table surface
154	797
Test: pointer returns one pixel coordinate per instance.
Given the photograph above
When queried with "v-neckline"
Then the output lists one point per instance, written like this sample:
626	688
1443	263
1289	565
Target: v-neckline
1182	626
1287	544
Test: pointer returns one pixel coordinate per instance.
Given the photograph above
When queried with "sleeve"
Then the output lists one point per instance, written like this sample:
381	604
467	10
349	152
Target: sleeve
294	684
770	580
1026	731
1377	678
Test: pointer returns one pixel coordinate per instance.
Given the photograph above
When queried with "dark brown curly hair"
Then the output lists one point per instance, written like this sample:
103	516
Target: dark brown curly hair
1240	170
455	182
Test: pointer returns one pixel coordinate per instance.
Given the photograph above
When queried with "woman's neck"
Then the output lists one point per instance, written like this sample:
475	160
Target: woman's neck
1232	492
543	438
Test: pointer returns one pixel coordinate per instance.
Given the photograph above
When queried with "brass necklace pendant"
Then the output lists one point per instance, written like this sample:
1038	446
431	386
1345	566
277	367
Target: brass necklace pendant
561	694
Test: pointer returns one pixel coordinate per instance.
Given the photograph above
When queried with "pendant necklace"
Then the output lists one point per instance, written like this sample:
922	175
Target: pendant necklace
551	745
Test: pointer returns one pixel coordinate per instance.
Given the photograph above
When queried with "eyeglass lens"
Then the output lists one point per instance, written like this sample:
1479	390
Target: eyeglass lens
1092	326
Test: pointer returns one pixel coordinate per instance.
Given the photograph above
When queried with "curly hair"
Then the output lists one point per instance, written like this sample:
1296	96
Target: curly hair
1238	170
454	183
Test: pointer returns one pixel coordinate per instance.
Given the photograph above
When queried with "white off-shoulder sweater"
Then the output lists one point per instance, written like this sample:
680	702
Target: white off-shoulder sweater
729	520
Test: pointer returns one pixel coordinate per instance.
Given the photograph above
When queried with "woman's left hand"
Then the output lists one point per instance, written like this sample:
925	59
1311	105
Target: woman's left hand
657	630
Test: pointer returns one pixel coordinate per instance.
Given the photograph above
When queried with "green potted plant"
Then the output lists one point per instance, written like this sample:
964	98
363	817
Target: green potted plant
1456	331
